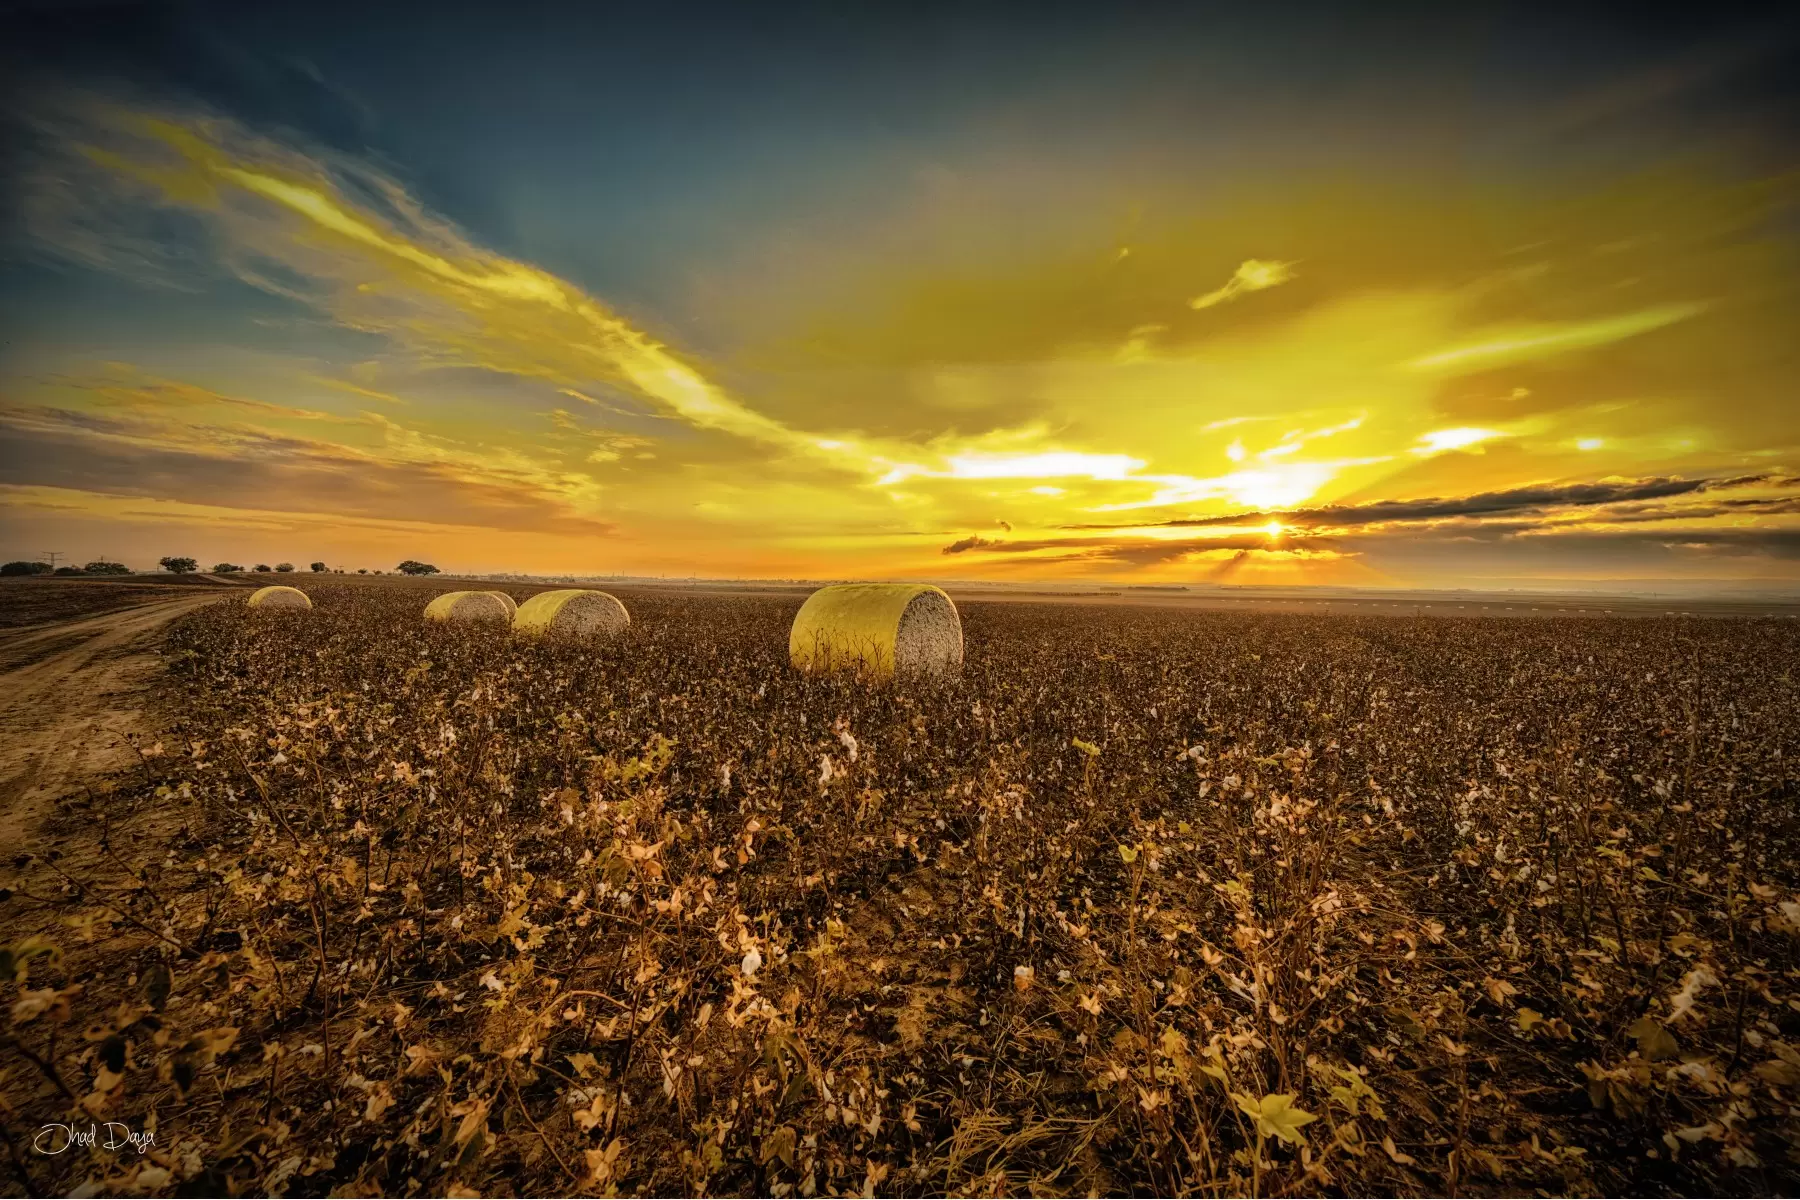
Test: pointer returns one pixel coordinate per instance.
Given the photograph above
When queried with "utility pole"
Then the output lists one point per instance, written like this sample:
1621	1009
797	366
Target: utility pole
52	555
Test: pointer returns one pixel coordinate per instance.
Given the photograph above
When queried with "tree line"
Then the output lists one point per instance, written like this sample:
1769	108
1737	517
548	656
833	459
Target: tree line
178	565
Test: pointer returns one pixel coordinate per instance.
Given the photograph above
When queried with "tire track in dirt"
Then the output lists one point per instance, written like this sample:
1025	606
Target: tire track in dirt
70	695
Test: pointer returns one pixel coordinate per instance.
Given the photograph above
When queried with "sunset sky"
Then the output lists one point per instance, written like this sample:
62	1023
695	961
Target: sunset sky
1447	296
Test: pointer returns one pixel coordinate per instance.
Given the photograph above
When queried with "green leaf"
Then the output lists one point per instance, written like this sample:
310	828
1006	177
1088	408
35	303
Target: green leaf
1354	1089
1128	853
1276	1116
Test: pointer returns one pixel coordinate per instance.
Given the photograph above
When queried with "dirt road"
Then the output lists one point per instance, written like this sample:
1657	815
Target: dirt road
70	694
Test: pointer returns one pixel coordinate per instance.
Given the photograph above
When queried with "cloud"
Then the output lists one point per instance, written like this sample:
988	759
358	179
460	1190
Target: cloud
356	389
405	475
1142	551
1048	464
1440	440
1252	275
1775	543
1520	343
1576	539
336	235
1511	501
348	241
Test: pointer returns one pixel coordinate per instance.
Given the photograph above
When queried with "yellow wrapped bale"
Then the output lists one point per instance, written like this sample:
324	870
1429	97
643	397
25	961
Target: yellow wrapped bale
466	606
512	606
572	612
279	597
882	629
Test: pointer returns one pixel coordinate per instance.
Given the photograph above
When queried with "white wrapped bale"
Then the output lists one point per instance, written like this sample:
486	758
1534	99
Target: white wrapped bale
279	597
879	629
579	613
459	607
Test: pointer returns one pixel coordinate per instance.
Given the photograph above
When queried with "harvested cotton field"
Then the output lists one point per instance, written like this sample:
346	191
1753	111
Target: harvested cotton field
1142	901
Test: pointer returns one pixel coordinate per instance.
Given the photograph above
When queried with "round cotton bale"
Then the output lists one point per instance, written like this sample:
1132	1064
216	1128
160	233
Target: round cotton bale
881	629
466	606
269	598
512	606
572	612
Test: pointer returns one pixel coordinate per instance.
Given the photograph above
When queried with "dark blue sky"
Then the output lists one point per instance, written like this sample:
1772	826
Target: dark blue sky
687	131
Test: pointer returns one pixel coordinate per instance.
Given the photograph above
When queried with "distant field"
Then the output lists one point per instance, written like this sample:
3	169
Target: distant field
67	597
40	601
1150	900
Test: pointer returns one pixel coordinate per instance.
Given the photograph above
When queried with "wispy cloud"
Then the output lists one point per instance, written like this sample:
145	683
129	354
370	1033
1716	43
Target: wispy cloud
1252	275
149	449
1519	343
1460	438
1509	502
355	244
356	389
1050	464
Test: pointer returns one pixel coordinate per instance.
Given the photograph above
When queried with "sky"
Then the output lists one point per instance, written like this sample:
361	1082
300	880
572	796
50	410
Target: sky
1426	296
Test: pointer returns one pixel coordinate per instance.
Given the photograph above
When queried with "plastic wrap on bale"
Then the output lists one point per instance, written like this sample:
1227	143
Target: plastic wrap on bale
460	607
880	630
276	597
580	613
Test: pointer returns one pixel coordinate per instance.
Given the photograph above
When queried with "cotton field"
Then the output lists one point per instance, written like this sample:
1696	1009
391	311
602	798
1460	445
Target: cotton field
1140	900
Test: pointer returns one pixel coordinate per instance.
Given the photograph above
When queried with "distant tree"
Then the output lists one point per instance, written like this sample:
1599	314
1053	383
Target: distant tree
414	567
284	568
226	568
69	571
316	567
25	568
362	570
264	567
178	566
101	567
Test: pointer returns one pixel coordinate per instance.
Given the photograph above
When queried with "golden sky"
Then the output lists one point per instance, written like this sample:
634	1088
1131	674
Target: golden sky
1003	366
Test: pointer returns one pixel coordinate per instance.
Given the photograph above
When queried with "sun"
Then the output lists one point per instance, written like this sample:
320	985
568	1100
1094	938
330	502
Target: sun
1273	529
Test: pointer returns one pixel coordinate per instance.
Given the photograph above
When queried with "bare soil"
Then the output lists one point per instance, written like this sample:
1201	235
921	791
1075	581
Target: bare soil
71	698
32	603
